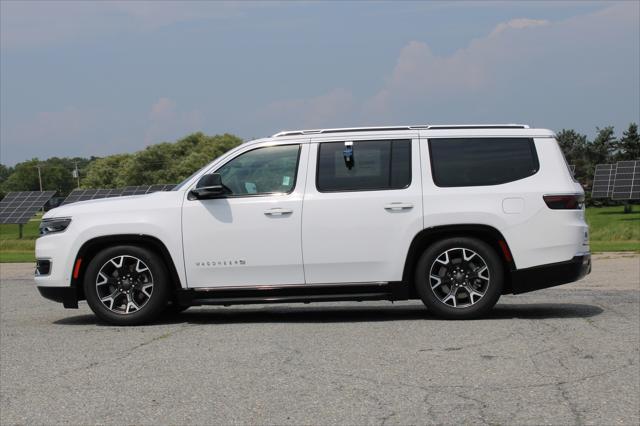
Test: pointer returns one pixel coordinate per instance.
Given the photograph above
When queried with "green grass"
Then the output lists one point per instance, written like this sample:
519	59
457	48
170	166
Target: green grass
13	249
611	230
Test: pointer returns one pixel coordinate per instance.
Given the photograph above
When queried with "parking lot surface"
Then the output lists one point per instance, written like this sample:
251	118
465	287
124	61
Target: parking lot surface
567	355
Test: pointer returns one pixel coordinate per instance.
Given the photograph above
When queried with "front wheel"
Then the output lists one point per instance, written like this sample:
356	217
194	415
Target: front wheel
459	278
126	285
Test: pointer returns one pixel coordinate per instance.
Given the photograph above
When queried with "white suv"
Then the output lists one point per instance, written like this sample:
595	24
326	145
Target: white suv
453	215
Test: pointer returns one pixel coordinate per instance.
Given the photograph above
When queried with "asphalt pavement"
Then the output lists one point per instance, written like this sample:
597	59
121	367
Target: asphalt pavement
566	355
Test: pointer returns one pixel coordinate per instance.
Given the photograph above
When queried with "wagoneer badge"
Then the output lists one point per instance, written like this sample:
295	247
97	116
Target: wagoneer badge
217	263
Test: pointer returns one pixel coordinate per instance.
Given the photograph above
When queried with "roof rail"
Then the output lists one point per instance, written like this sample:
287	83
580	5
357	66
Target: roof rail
477	126
391	128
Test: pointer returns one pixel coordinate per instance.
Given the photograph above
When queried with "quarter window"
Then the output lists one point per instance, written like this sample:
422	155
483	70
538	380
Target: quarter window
364	165
268	170
481	161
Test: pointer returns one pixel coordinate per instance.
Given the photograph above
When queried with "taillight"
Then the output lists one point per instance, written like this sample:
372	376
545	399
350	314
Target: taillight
565	202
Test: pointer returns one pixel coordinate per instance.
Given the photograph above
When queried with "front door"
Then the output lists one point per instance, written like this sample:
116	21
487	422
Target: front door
250	236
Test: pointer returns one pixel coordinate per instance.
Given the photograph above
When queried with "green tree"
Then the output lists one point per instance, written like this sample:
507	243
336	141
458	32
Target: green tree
160	163
56	175
172	162
601	149
5	172
24	177
106	172
629	144
574	147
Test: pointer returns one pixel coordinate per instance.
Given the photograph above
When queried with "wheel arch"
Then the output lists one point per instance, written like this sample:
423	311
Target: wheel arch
485	233
93	246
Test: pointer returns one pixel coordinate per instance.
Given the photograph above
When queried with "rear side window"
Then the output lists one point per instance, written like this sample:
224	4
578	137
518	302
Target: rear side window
375	165
481	161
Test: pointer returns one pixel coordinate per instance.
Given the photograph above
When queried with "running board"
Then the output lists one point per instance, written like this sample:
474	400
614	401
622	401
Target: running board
292	294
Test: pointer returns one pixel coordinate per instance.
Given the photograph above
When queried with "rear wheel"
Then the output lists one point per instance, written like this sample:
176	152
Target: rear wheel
459	278
126	285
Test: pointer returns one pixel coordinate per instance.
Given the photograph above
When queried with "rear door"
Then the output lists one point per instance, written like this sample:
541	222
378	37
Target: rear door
362	208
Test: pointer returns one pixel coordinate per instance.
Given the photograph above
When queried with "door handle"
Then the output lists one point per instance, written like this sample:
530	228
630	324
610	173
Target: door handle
398	206
277	211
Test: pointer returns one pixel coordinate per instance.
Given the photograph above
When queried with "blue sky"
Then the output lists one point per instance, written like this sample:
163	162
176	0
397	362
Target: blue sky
96	78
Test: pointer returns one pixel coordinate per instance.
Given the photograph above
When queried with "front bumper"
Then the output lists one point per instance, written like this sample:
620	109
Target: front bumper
68	296
539	277
57	251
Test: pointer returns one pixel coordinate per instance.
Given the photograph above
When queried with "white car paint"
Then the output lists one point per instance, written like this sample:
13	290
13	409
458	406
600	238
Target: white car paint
328	237
359	236
245	241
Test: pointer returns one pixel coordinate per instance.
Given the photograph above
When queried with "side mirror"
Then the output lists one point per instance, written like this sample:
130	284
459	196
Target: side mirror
209	186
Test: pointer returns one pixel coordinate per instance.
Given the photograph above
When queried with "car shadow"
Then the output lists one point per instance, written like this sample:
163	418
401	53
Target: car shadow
337	314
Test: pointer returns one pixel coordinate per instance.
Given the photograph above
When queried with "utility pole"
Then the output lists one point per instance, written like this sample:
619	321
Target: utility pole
39	180
76	174
39	177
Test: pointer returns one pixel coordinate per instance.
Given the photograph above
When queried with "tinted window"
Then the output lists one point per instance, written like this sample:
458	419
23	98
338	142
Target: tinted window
376	165
481	161
269	170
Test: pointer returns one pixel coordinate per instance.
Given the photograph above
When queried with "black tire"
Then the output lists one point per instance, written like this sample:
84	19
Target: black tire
486	286
154	304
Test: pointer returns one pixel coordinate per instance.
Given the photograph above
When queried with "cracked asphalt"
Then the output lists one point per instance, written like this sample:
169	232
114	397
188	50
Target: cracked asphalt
567	355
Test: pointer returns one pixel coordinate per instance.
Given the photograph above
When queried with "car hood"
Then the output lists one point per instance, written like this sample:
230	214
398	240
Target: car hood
117	204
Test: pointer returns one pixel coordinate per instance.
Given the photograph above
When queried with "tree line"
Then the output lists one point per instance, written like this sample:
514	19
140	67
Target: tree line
171	162
161	163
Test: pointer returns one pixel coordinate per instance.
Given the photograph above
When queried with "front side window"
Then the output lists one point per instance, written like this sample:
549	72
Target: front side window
268	170
481	161
364	165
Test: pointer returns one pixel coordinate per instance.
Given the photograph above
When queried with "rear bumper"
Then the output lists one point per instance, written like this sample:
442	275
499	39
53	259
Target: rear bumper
539	277
65	295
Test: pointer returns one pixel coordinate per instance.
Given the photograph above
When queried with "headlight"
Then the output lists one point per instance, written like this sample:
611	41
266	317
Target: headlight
50	226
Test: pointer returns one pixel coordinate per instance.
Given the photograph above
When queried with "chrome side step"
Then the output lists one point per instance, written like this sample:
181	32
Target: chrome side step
293	294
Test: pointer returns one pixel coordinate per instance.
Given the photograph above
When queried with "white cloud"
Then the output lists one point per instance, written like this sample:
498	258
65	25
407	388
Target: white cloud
418	72
517	24
521	68
521	55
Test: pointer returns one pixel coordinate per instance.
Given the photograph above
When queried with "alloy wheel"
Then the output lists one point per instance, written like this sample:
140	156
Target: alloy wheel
459	277
124	284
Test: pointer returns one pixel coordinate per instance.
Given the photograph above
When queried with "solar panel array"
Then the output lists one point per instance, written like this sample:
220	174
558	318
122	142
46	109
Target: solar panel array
156	188
626	185
91	194
603	181
19	207
94	194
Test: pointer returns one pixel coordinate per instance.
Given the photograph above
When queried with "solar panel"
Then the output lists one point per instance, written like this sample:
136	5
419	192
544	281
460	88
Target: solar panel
155	188
94	194
91	194
19	207
627	181
136	190
603	181
161	187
